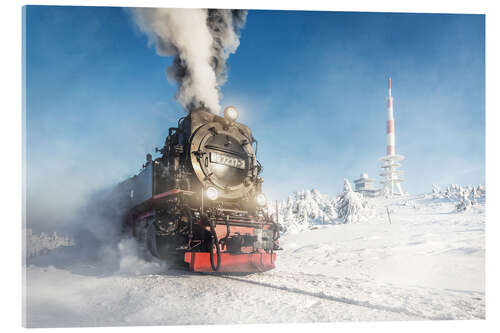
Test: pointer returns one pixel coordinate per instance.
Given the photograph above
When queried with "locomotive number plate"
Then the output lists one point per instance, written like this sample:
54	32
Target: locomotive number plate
231	161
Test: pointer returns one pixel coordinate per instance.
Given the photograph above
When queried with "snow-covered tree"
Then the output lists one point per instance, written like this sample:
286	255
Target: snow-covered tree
480	191
436	192
305	208
464	204
42	243
464	196
350	205
468	196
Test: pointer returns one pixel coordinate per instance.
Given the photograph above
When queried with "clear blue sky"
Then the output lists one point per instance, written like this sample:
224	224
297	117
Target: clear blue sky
312	86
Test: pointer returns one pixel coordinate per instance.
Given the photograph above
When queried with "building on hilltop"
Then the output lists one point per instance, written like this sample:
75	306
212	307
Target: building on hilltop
364	185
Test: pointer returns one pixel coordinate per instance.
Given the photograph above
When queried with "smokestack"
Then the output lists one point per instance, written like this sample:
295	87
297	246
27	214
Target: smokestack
391	176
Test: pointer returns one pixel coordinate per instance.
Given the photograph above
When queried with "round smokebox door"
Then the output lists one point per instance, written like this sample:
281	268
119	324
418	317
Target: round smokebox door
223	158
226	161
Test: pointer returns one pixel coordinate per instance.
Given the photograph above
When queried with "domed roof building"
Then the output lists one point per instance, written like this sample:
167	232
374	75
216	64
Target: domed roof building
364	185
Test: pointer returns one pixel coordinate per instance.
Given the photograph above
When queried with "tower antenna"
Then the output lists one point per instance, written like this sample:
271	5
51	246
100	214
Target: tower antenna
391	176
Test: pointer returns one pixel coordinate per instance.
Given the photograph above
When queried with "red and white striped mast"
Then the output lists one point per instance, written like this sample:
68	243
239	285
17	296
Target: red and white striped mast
391	141
391	177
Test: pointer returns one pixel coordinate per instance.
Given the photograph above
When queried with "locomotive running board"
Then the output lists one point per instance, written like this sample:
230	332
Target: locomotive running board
231	263
157	199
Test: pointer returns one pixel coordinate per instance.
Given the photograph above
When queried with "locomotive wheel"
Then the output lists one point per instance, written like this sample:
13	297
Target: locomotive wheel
164	247
151	240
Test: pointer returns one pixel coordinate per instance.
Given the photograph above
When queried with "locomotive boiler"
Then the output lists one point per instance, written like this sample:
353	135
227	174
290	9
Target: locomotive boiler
200	204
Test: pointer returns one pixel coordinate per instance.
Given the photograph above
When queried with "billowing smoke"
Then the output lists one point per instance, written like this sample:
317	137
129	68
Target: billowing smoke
200	40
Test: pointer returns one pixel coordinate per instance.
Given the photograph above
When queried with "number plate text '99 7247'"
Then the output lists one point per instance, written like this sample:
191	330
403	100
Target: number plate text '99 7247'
231	161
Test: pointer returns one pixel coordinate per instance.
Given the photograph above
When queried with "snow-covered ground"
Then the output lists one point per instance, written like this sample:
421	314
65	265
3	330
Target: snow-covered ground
428	263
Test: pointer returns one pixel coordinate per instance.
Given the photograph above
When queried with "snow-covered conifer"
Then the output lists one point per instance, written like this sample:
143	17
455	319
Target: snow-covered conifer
350	204
436	192
306	208
464	205
37	244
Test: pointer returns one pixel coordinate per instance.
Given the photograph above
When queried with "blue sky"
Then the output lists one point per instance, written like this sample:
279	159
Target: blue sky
312	86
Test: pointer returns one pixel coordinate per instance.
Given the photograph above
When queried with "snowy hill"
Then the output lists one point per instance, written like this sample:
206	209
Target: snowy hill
425	262
426	242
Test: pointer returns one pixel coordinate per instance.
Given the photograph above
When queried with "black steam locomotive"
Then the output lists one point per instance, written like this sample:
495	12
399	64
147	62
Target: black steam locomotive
201	203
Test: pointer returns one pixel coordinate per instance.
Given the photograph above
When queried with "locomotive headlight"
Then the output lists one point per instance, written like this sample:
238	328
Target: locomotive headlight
260	199
212	193
230	113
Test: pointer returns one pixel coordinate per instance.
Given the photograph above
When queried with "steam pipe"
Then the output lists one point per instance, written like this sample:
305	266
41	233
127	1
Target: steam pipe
202	199
217	248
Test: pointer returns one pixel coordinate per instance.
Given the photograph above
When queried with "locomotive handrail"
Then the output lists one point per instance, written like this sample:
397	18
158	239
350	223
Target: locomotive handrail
239	223
215	242
169	193
227	151
232	210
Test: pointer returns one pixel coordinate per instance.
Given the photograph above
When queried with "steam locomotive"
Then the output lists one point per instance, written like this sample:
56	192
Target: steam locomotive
201	203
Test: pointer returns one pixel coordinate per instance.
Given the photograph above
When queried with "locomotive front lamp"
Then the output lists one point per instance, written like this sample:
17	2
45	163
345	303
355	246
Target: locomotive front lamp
260	199
212	193
231	113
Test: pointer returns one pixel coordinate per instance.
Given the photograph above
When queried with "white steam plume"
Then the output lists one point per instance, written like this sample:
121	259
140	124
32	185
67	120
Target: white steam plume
200	40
